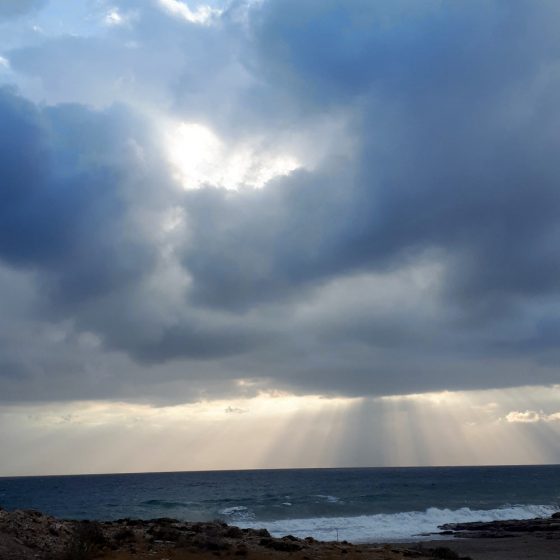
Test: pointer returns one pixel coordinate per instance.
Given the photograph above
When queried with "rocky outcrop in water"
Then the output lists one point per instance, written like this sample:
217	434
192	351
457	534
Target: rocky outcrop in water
545	527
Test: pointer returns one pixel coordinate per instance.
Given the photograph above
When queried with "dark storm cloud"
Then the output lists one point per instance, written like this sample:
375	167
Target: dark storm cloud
424	258
72	210
186	341
263	245
459	133
63	207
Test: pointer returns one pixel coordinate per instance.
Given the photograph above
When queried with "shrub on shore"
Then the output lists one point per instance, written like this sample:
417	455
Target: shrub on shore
86	541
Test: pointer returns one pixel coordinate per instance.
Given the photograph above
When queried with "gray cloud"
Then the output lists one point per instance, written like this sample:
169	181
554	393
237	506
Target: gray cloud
424	258
64	204
449	157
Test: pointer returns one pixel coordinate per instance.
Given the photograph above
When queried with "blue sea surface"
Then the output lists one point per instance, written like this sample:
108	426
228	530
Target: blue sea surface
366	504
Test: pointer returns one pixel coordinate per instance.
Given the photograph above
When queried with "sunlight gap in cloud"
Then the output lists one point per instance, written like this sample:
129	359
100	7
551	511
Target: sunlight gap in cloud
199	157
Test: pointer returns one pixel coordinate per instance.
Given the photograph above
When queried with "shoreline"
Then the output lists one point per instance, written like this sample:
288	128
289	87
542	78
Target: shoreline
28	534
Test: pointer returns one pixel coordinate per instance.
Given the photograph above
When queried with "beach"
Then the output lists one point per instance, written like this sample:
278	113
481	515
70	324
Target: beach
29	534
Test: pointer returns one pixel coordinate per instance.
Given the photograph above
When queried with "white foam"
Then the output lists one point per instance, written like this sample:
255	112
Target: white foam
394	527
234	509
330	499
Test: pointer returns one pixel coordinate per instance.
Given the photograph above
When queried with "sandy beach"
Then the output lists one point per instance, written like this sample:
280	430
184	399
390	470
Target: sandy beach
28	534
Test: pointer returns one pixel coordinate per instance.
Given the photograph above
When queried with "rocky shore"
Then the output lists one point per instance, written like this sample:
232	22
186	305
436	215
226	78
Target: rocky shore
27	534
537	539
548	528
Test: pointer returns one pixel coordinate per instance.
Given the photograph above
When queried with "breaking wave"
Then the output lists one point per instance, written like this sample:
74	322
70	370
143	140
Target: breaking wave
237	514
394	527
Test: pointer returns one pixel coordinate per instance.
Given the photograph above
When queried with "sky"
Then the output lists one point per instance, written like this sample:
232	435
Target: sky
275	233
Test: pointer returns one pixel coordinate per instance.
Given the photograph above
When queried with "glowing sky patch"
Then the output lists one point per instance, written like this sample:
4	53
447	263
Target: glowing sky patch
275	430
199	158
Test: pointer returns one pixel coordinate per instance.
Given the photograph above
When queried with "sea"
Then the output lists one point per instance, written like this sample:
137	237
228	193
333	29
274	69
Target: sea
357	505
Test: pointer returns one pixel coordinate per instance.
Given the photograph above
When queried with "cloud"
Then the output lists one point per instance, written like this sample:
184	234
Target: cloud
202	15
531	417
114	17
412	248
64	209
235	410
440	169
527	417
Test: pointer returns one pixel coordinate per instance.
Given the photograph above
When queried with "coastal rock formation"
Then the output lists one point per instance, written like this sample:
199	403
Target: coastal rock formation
30	535
548	528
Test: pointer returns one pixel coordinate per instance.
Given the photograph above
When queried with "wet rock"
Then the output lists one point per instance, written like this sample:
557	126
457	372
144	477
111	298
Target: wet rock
503	529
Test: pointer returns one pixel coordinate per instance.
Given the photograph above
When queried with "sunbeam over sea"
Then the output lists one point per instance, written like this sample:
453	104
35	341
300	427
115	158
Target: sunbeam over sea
359	505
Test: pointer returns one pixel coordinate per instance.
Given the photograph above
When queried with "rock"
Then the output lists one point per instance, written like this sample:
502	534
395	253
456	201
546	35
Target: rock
262	533
124	534
280	545
30	535
234	533
309	540
503	529
165	533
164	520
444	553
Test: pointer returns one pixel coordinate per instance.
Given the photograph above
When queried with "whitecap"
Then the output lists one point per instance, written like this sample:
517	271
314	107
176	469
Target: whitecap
384	527
327	498
238	513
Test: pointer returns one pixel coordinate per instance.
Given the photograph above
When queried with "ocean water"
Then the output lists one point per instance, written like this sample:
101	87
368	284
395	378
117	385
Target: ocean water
358	505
